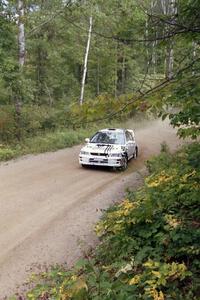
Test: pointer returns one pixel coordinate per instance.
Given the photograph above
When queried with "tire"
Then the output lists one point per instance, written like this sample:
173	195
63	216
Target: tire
84	166
125	163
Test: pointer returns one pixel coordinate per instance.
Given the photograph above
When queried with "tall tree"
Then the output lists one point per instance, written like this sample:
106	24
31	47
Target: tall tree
86	61
21	33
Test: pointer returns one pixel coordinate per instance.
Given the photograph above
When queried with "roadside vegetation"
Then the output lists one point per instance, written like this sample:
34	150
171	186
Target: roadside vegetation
43	143
48	129
149	243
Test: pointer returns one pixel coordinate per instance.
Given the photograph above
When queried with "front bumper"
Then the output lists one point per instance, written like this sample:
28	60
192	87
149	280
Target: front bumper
100	161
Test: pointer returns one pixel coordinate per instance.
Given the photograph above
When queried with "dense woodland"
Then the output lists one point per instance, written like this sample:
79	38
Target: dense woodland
64	64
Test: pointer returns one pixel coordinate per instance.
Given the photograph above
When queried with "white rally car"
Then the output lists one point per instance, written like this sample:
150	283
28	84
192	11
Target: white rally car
112	147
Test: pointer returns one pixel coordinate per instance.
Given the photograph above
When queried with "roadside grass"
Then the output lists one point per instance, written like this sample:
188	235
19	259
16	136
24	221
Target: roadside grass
56	140
149	243
48	142
51	141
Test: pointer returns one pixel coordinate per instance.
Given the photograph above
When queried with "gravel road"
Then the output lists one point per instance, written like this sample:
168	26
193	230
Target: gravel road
49	205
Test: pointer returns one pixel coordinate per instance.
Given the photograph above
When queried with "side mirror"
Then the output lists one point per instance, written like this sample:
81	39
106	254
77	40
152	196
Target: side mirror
87	140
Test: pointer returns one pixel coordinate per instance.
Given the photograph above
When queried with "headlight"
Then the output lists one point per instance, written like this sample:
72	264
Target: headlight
84	153
115	155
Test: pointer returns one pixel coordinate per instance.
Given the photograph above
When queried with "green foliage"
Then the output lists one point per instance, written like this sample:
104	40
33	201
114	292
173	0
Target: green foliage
149	242
98	109
163	160
54	141
37	139
185	97
36	120
180	103
47	142
7	153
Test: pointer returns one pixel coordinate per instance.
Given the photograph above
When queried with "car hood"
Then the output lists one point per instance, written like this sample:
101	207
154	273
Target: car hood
103	148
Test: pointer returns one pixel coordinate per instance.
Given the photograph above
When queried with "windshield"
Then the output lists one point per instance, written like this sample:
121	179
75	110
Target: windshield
108	137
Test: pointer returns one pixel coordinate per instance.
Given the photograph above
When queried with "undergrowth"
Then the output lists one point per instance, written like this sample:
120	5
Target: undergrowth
50	141
149	243
47	142
61	138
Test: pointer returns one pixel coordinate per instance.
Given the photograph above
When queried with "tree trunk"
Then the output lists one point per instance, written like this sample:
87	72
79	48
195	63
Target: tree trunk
123	83
21	60
85	62
21	33
154	43
147	35
194	53
116	70
98	75
169	60
164	6
170	49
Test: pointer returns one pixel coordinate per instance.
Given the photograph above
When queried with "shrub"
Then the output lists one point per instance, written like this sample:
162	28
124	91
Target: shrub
7	153
7	124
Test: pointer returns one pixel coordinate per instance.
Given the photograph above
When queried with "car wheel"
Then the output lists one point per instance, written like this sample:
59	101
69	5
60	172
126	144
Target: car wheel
84	166
124	163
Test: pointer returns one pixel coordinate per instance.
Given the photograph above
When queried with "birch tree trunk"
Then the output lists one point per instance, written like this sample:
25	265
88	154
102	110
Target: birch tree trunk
123	71
21	33
164	6
97	79
164	12
21	60
170	49
147	34
170	60
194	54
21	48
116	70
154	43
85	62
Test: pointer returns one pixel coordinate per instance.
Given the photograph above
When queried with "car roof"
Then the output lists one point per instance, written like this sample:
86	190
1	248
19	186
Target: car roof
112	129
117	130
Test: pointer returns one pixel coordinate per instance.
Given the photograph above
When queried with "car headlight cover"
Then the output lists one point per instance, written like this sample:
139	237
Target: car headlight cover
84	153
115	155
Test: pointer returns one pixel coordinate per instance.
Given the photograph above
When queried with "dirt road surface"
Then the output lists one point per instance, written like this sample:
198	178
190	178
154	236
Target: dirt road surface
49	205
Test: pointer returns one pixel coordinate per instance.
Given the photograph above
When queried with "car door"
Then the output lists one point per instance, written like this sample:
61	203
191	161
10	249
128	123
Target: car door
129	144
133	144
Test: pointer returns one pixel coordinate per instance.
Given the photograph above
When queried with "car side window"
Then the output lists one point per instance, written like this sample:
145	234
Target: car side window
131	137
127	136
